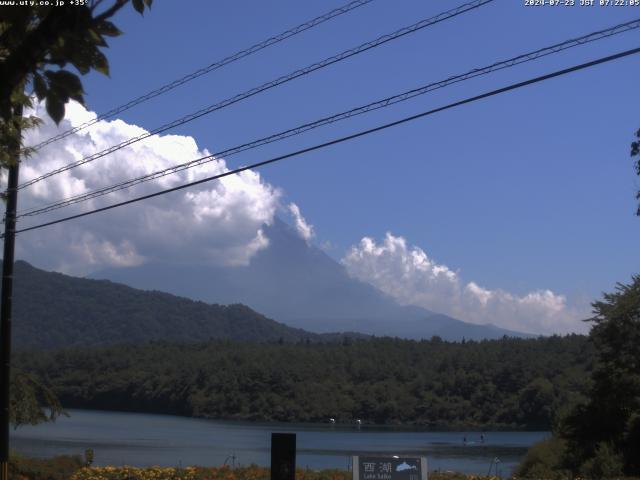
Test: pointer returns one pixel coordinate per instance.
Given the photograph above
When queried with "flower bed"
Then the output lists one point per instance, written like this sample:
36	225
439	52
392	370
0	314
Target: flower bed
226	473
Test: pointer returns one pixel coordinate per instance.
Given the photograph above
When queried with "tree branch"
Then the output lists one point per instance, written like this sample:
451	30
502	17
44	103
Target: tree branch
111	11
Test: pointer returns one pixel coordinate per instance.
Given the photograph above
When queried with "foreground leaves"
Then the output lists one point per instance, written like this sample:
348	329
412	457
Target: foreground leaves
41	47
31	401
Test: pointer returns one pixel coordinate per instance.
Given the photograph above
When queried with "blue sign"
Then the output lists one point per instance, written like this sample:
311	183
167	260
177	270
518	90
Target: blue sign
389	468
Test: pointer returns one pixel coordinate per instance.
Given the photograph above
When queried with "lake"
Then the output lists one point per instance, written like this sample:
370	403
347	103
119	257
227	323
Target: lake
143	440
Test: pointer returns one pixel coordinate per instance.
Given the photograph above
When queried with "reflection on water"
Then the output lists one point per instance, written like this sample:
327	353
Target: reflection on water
144	440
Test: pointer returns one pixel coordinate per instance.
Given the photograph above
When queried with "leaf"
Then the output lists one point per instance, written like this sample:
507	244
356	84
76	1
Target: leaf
82	68
100	63
55	106
96	38
81	60
39	86
65	85
138	5
79	51
148	2
107	28
77	96
65	81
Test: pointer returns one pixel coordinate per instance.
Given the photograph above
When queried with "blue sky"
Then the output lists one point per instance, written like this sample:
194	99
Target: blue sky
533	189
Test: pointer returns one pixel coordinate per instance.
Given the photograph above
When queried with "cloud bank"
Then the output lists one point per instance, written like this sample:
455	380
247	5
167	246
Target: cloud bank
217	222
412	278
221	222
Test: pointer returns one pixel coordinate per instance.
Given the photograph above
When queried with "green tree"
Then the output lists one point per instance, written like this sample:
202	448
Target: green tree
38	45
31	401
41	47
543	460
607	426
535	403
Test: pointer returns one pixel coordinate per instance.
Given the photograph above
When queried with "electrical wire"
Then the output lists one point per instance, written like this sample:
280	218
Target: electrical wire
362	133
500	65
266	86
210	68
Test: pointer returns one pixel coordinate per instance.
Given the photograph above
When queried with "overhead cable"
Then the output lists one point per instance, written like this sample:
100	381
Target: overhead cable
362	133
266	86
209	68
500	65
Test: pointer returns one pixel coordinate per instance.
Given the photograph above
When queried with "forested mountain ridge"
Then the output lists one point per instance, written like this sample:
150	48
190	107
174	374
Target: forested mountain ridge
52	310
503	384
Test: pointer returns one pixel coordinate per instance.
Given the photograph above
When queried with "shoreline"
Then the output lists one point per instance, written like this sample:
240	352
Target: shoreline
145	440
382	427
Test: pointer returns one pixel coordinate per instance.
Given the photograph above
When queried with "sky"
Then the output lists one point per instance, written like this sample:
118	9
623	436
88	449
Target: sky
518	209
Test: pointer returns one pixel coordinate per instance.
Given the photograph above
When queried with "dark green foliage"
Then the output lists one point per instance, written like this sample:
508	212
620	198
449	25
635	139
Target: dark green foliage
31	402
52	310
535	403
38	42
489	384
607	426
544	460
606	462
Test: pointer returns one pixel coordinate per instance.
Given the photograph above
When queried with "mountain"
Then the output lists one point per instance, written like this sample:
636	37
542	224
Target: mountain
53	310
302	286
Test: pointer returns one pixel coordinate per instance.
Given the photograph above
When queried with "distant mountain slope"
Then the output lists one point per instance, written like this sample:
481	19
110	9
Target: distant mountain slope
53	310
300	285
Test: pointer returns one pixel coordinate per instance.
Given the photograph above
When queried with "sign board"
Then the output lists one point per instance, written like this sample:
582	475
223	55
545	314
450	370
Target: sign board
283	456
389	468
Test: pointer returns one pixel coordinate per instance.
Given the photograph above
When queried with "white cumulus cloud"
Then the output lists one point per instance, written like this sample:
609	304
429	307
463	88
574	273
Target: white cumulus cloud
410	276
217	222
304	229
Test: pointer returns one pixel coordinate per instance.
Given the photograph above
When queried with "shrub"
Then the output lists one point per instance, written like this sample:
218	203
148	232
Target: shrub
57	468
606	463
544	460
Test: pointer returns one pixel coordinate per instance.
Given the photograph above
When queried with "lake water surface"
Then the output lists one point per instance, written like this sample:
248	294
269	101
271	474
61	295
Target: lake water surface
144	440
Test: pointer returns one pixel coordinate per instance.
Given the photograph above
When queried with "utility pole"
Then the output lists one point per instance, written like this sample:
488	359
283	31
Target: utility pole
7	294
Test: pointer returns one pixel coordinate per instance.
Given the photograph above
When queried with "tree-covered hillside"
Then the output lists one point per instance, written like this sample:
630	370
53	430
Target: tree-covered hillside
509	383
52	310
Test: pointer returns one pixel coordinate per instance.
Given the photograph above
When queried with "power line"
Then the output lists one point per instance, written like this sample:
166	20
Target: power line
362	133
274	83
210	68
523	58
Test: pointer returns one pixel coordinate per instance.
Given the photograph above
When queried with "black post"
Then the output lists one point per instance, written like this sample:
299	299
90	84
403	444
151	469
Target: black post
283	456
7	294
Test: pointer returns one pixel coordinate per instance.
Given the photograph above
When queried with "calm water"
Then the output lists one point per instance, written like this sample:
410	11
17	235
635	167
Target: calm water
144	440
